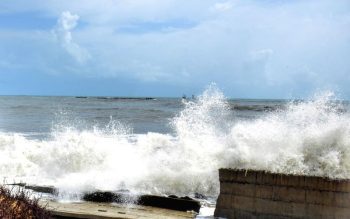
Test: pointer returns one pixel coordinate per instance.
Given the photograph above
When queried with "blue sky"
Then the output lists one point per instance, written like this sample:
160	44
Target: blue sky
250	49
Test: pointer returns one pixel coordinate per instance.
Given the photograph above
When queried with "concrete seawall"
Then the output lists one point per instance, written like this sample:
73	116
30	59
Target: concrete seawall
258	194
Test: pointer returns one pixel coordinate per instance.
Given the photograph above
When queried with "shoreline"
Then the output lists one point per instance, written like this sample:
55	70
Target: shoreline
106	204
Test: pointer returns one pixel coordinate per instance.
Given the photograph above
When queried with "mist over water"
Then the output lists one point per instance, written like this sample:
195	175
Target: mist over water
302	137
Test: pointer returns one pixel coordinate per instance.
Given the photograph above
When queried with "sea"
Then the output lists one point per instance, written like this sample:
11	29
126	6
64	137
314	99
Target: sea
168	146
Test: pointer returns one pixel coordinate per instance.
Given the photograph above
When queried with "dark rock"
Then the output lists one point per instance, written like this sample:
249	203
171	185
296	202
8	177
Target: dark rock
187	198
200	196
16	184
123	190
42	189
106	196
178	204
100	197
172	202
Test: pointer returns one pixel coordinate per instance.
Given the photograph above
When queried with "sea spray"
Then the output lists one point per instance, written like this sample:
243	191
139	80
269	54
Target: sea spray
304	137
309	138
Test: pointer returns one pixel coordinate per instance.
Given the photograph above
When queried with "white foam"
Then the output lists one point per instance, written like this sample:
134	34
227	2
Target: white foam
310	137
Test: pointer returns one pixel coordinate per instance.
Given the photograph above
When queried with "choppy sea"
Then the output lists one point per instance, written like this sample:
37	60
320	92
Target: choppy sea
168	145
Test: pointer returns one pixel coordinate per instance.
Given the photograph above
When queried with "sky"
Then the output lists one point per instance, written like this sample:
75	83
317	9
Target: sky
248	48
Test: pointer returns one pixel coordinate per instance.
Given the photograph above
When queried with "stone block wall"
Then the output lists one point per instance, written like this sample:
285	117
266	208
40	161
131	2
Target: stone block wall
258	194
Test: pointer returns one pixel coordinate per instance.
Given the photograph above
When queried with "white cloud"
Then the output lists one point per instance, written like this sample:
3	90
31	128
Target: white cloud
65	24
222	6
264	40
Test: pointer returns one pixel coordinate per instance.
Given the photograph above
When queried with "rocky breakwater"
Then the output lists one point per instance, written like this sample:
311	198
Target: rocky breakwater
259	194
167	202
145	206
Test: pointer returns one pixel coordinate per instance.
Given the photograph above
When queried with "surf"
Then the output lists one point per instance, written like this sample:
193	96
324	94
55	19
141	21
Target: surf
310	137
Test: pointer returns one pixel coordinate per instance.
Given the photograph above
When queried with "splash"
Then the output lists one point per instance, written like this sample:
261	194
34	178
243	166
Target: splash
305	137
309	138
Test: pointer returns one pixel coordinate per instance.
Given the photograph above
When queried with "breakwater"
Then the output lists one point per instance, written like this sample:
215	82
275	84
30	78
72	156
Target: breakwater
259	194
171	202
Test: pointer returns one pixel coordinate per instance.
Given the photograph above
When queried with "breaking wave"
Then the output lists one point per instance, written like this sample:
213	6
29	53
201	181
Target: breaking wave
309	137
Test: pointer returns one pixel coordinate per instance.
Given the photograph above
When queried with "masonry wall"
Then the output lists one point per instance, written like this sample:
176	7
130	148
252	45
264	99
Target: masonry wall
258	194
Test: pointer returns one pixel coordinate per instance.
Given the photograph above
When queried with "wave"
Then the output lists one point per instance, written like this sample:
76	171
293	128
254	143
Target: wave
310	137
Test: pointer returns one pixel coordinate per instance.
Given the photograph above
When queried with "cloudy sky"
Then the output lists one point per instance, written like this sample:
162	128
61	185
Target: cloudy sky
249	48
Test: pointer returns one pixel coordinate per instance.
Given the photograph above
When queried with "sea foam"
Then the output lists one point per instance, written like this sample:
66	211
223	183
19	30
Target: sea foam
306	137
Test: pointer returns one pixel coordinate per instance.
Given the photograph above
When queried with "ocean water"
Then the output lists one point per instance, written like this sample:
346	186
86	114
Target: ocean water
168	145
